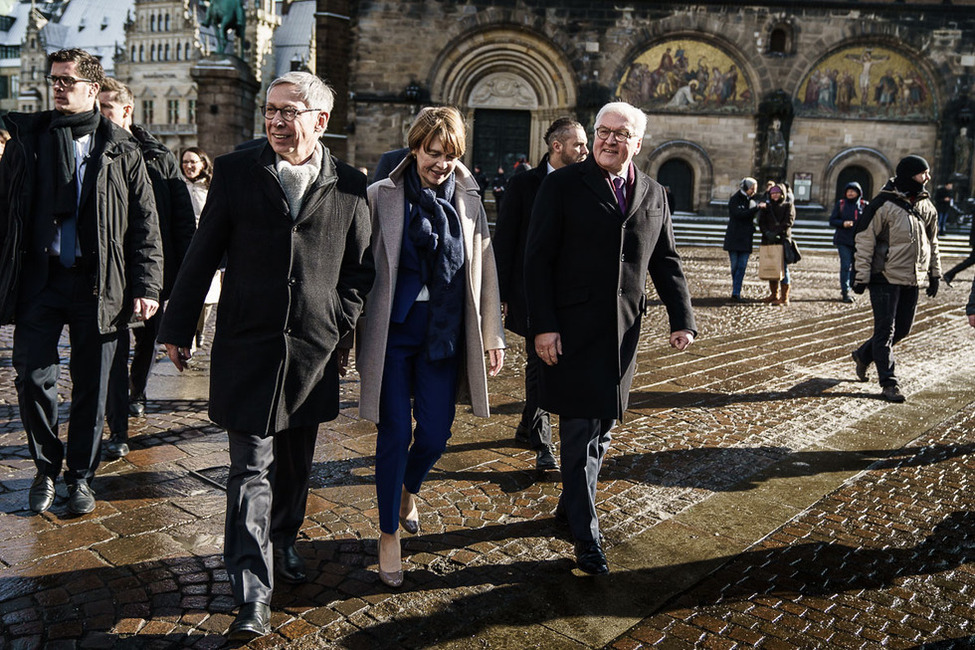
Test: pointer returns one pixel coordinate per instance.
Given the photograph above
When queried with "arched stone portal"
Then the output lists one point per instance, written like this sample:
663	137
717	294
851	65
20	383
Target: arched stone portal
693	156
498	76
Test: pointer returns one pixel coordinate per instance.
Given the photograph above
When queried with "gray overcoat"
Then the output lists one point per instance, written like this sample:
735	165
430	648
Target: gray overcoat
483	329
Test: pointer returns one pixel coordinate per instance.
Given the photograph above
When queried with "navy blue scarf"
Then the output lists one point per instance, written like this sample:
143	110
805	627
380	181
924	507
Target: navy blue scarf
434	228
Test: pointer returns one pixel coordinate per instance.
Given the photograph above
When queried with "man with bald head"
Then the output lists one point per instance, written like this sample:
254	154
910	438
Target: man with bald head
598	228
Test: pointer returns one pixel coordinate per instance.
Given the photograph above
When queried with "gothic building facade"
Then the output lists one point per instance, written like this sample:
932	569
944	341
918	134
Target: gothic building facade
816	94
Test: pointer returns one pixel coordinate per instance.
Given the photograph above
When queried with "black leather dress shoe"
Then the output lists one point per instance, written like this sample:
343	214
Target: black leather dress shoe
116	447
253	620
137	408
590	558
545	458
289	565
81	499
41	494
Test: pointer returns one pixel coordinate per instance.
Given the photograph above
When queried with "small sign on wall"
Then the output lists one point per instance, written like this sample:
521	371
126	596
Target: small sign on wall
802	186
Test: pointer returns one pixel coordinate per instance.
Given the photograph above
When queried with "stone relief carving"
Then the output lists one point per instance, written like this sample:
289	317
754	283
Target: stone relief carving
503	90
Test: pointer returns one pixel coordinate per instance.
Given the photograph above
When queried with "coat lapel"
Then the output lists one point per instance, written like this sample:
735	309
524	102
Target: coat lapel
266	179
392	219
318	191
641	188
595	180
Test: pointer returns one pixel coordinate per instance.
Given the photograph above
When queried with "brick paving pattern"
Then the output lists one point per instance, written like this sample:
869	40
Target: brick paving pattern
879	556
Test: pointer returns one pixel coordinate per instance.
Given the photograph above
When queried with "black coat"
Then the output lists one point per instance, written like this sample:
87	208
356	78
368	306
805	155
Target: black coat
585	277
510	236
177	223
118	231
741	223
290	291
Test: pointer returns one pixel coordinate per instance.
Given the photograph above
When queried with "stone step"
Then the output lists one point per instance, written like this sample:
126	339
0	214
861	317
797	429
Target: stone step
709	231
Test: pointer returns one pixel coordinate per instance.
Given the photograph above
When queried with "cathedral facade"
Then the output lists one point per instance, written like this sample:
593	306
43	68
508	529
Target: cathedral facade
817	94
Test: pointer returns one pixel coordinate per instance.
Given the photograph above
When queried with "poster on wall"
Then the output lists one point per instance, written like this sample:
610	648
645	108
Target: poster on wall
859	82
686	75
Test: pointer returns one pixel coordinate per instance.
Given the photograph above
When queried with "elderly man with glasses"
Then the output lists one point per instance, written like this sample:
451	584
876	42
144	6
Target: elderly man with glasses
598	228
80	247
293	224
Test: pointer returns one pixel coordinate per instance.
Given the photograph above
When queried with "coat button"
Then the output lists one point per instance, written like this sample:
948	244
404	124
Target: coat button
287	331
292	282
295	229
621	292
622	258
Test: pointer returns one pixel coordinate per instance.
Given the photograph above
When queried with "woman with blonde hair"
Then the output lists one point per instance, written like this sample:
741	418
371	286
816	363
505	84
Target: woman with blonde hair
432	315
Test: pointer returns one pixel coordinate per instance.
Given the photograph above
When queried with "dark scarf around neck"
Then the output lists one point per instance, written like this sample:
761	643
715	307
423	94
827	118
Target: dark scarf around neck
67	128
435	231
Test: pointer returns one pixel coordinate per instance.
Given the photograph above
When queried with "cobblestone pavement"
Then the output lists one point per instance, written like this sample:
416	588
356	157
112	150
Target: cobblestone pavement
754	496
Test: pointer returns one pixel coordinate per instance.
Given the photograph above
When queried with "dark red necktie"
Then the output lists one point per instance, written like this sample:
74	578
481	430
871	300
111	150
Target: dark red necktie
620	189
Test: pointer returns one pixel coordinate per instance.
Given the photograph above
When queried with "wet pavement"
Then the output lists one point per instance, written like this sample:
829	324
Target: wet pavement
755	496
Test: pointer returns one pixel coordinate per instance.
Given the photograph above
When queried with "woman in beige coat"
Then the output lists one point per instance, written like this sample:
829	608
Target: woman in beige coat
431	316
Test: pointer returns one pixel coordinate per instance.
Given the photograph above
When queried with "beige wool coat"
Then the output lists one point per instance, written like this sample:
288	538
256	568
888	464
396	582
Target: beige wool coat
483	329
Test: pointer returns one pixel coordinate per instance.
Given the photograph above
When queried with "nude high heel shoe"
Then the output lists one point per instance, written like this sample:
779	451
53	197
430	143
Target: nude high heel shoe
390	578
411	520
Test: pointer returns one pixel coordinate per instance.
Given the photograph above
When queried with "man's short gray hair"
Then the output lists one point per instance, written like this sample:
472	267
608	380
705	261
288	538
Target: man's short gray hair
633	115
312	90
748	183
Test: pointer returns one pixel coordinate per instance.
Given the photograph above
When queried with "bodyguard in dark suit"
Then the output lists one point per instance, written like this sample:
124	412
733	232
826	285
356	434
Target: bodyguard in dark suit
566	140
76	210
294	226
597	229
176	226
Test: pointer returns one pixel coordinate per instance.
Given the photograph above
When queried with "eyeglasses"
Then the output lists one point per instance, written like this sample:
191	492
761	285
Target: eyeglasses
288	114
67	82
603	133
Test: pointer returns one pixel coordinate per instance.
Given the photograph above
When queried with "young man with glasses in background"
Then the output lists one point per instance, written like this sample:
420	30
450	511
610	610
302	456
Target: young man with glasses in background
80	247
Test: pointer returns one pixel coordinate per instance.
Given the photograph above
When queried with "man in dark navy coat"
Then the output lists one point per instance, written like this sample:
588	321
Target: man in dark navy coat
566	140
597	229
294	226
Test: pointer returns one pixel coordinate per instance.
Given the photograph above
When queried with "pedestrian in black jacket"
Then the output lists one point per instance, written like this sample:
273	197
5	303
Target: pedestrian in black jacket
77	208
844	217
127	390
738	238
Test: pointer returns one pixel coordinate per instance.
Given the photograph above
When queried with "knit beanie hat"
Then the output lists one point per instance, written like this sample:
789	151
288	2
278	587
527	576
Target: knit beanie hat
907	169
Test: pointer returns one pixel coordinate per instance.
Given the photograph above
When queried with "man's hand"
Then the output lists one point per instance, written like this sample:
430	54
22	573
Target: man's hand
496	359
179	356
681	339
548	347
859	288
504	310
144	308
342	357
847	224
933	285
971	320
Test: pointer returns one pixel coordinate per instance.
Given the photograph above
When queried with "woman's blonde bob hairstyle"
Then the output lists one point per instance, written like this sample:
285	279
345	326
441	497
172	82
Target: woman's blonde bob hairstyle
443	121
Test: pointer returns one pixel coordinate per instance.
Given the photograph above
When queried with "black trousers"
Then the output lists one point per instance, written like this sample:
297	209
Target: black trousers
125	385
266	497
584	445
893	307
535	421
66	300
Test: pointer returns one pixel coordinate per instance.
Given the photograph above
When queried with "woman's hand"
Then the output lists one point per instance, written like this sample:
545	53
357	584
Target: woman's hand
496	360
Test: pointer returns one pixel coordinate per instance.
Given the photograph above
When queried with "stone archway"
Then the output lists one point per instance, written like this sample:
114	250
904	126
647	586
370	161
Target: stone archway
692	155
506	69
875	163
